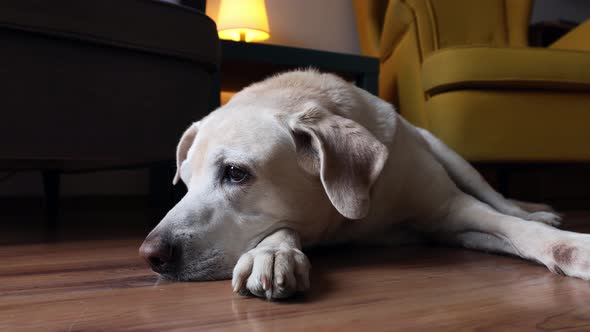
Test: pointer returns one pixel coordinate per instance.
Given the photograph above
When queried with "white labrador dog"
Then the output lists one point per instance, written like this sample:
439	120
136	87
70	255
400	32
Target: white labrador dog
304	158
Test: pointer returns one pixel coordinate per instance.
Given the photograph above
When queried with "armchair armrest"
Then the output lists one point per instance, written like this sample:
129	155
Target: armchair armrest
459	68
577	39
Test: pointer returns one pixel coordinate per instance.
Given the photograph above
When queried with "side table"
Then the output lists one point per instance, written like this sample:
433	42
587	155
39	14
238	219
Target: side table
245	63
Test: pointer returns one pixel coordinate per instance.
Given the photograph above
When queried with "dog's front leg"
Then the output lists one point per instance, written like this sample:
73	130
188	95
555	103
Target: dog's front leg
473	224
275	269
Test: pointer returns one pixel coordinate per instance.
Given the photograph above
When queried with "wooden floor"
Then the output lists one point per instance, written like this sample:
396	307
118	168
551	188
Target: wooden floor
102	285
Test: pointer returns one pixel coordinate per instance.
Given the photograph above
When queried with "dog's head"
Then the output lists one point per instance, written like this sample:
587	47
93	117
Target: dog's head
261	163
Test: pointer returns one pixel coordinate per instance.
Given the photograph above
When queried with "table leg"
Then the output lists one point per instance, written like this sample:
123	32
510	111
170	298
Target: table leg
369	82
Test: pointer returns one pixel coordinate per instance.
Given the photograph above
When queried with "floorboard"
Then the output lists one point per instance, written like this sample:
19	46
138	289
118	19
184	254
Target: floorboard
102	285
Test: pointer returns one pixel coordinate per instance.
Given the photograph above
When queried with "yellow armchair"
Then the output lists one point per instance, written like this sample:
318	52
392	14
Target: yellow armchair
462	69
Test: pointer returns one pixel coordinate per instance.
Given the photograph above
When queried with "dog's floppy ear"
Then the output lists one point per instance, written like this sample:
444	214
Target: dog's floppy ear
346	156
187	139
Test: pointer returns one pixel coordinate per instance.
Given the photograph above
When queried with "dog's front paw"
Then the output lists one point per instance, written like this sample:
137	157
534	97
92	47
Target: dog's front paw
273	273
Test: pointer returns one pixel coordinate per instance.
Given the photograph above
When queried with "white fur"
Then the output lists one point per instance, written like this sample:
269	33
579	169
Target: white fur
321	149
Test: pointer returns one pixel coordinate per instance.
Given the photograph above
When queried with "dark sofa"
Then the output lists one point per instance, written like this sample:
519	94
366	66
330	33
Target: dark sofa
90	84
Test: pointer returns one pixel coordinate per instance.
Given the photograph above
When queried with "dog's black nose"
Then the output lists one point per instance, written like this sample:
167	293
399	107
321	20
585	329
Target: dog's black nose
157	252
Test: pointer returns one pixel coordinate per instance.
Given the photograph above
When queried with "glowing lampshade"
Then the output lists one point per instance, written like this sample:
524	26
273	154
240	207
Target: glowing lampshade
242	20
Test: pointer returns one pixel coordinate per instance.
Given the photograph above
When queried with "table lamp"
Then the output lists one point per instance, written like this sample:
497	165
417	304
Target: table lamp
242	20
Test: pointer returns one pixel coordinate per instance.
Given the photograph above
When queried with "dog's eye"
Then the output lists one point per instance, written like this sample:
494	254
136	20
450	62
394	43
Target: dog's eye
235	174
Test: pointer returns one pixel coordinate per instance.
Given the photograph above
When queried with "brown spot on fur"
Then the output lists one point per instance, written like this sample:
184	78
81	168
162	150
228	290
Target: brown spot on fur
563	254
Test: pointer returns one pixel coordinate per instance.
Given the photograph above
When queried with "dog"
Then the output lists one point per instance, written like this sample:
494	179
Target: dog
306	158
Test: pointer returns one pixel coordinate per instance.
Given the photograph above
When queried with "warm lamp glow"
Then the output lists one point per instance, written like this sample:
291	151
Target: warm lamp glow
242	20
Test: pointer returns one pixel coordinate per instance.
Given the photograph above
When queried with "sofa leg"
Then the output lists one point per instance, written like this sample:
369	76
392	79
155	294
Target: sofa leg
163	195
503	176
159	186
51	187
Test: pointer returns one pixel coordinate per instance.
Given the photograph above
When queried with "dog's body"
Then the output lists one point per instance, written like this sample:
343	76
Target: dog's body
304	158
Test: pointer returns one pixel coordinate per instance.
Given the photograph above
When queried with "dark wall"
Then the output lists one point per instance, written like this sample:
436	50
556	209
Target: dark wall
571	10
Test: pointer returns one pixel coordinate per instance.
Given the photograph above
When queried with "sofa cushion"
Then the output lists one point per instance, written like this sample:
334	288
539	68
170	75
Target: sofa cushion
461	68
147	25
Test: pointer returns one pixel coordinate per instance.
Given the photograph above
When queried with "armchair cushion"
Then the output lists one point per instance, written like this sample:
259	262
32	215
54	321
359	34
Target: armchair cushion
460	68
513	125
